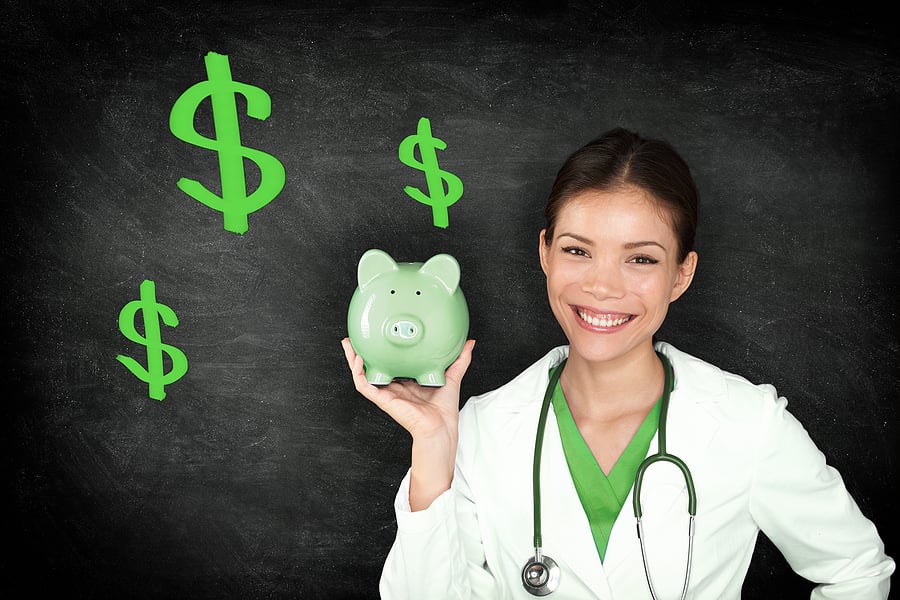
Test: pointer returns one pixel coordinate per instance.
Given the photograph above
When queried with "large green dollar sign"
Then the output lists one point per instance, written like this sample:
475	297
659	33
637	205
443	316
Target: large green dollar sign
154	374
234	203
437	198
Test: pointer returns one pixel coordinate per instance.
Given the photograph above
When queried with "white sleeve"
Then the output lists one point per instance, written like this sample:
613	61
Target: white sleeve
802	505
437	552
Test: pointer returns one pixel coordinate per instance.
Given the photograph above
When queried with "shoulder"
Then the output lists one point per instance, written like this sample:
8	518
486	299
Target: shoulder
700	382
525	388
519	398
728	416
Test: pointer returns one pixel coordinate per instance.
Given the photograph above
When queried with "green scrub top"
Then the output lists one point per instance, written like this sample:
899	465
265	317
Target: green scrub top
601	496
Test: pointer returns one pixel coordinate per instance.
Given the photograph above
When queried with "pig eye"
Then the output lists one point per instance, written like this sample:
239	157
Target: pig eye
393	291
418	293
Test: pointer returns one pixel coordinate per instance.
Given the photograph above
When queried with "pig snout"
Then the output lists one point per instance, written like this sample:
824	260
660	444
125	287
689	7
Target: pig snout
405	330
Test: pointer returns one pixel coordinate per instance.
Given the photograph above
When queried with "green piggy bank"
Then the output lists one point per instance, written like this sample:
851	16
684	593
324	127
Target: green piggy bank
407	320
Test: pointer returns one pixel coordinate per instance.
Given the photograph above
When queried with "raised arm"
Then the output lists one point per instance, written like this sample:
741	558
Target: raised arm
429	414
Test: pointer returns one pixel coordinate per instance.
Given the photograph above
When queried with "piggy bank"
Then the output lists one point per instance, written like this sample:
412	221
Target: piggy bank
407	320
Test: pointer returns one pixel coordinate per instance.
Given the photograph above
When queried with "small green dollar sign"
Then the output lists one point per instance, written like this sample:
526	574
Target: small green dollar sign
154	374
234	203
438	198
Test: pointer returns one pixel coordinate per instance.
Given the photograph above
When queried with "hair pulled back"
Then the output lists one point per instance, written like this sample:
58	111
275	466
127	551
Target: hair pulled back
620	158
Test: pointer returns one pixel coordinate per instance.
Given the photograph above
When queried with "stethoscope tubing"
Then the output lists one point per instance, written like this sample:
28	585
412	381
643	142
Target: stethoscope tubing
662	455
538	446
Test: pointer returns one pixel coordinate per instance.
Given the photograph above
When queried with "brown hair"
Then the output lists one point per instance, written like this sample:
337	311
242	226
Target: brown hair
620	158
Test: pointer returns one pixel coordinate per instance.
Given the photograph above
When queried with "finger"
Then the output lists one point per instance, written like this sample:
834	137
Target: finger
356	364
359	378
349	352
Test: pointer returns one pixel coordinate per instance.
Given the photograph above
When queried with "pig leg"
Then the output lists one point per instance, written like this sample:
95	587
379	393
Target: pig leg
431	378
377	376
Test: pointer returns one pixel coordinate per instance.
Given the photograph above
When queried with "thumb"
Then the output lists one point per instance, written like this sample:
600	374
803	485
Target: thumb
459	366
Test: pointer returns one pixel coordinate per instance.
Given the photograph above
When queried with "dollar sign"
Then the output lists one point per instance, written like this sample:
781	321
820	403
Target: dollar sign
154	374
438	198
234	203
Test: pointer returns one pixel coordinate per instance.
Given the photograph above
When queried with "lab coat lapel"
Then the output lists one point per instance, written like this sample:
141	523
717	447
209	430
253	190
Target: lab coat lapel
566	531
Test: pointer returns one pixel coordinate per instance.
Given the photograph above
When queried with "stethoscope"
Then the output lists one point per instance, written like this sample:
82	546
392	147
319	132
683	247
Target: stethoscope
540	576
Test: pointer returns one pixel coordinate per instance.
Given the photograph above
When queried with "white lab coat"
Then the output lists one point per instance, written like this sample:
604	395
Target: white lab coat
754	468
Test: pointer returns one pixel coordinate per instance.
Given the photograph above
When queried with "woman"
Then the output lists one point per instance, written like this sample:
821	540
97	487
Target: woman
616	251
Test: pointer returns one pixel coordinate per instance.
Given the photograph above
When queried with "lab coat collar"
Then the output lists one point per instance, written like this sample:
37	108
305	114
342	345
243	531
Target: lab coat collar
691	427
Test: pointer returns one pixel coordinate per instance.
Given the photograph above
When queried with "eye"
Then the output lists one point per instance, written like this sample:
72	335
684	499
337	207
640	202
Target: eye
393	291
644	260
418	292
575	250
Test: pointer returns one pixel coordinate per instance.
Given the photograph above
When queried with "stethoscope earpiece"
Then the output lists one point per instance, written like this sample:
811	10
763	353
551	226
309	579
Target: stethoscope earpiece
540	576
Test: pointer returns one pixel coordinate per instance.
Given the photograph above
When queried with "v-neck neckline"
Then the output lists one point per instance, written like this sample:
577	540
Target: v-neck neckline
602	496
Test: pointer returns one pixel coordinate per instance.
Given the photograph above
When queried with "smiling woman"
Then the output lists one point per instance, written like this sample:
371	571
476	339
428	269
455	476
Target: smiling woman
617	250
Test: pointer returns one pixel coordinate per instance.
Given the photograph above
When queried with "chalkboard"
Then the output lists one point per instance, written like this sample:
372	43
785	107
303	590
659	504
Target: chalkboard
262	473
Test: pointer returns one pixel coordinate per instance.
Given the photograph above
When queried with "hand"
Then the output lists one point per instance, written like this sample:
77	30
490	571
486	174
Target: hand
424	411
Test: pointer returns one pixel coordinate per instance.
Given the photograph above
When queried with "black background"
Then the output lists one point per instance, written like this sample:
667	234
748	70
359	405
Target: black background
263	474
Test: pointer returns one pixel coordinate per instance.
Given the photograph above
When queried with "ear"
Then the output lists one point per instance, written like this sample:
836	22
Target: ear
543	248
684	276
444	268
372	264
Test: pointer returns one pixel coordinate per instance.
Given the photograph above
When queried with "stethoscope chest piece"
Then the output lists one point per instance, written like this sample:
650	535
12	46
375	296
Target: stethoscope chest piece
540	575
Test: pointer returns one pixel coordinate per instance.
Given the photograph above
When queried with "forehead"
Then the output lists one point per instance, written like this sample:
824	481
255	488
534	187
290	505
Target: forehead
631	205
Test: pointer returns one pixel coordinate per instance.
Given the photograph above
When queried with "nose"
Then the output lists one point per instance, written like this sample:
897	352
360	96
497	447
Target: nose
404	331
604	279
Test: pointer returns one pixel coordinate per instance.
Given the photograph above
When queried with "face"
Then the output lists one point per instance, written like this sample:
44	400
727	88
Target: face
612	270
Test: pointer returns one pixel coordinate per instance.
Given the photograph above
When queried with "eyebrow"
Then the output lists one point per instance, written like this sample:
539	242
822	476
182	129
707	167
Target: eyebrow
627	246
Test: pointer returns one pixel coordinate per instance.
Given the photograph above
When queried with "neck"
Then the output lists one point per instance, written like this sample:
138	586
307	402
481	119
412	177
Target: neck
624	384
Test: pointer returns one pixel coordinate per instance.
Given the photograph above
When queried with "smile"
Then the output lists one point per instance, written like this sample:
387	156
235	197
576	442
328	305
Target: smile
602	320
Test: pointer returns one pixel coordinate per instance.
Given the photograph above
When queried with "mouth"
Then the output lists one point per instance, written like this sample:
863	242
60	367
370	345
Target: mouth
594	320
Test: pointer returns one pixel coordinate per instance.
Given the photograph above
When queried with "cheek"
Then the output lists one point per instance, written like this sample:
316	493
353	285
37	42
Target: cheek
652	289
562	275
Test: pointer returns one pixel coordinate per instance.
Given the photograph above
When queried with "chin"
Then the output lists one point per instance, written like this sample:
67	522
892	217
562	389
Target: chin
603	347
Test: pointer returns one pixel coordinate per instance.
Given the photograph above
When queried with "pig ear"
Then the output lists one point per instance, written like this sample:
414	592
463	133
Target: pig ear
372	264
445	268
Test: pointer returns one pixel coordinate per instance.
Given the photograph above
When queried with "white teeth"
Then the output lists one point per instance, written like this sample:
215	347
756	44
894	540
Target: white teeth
601	321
